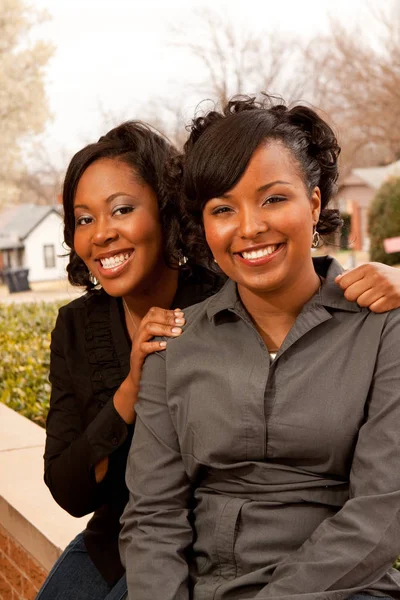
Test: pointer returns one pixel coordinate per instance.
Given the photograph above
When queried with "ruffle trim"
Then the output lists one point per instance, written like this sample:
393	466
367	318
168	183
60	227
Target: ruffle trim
106	369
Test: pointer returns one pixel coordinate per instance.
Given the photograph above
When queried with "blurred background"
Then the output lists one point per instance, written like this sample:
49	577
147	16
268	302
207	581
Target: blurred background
72	69
69	71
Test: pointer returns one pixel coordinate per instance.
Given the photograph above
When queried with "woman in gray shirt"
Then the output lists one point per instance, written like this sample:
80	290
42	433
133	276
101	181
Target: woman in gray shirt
266	457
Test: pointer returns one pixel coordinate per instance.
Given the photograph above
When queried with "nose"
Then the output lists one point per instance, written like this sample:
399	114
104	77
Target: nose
104	233
252	221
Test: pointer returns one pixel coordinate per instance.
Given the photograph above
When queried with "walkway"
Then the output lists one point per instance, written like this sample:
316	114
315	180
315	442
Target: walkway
44	291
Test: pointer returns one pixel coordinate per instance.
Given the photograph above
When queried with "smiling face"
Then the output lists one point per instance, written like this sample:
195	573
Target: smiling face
117	228
260	231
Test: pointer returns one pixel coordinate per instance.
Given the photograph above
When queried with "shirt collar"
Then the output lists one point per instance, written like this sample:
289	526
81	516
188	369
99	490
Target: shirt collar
330	295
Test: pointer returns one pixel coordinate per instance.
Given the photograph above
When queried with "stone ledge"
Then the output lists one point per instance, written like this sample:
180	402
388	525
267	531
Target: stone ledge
27	509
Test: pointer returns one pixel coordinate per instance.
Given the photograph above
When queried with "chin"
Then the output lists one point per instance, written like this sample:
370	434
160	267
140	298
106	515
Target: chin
116	289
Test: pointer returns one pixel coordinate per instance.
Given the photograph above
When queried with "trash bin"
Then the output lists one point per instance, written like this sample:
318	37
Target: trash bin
17	280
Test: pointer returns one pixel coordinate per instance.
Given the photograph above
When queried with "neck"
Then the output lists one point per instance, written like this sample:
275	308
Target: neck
160	293
274	312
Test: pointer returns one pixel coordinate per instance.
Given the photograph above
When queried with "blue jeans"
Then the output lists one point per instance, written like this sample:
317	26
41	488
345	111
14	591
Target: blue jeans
74	577
362	596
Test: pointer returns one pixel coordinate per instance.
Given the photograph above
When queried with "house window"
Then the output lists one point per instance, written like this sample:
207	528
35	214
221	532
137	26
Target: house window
49	256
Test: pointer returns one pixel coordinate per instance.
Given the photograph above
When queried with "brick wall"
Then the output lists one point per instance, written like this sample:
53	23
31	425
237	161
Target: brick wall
20	574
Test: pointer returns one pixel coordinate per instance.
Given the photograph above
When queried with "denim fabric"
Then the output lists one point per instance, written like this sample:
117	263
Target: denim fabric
368	597
74	577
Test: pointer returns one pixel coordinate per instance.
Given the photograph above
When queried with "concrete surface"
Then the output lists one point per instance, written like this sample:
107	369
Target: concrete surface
27	509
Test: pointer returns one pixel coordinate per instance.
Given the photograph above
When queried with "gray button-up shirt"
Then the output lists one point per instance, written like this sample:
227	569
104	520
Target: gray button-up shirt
257	479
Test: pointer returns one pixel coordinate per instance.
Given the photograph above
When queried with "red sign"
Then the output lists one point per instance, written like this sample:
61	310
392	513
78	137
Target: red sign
391	245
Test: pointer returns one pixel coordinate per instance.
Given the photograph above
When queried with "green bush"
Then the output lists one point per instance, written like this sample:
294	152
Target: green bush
24	366
384	221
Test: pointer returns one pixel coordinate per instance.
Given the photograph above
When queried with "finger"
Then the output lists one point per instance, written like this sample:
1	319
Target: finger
352	276
151	347
149	330
354	291
383	305
369	297
164	316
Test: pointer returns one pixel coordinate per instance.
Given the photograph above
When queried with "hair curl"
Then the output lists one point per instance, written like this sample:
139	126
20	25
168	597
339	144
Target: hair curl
221	144
146	152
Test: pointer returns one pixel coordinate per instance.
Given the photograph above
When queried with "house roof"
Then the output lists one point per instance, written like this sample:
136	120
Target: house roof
374	177
17	222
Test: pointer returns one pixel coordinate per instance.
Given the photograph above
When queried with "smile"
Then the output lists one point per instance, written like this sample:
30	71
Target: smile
260	256
253	254
114	261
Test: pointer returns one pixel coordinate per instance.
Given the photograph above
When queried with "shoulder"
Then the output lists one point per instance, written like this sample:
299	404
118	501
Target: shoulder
85	302
392	320
196	313
196	286
77	316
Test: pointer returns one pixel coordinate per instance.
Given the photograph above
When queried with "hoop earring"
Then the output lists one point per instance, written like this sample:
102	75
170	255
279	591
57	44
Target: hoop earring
316	239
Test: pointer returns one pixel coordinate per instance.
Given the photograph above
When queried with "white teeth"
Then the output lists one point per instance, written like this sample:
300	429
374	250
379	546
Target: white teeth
114	261
259	253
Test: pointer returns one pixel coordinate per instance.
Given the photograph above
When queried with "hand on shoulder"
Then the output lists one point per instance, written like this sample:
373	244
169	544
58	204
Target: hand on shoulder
372	285
157	322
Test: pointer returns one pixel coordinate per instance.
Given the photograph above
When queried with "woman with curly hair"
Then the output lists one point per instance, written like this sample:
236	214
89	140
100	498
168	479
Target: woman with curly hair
122	231
265	461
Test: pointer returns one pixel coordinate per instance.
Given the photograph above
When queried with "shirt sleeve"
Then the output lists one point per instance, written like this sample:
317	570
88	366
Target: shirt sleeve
156	532
71	449
350	551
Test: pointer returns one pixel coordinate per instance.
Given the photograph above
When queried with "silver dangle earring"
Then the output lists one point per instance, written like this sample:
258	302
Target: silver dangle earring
316	239
93	279
182	260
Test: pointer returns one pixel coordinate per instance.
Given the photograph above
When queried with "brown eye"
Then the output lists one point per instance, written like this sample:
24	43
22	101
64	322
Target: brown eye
122	210
221	210
83	221
274	199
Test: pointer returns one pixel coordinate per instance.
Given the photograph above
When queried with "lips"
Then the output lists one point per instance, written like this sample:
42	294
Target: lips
114	261
253	254
112	264
259	256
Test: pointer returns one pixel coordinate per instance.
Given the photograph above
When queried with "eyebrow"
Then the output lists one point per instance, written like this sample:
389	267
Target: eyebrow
108	200
262	188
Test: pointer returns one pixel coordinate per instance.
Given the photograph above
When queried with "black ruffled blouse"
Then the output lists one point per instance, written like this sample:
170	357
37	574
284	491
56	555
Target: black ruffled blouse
90	351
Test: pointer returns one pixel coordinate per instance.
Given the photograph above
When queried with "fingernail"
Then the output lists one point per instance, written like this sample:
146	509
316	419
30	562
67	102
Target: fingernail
178	313
180	321
176	330
163	344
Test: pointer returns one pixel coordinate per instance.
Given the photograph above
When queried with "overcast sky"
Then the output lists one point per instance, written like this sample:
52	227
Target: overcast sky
116	55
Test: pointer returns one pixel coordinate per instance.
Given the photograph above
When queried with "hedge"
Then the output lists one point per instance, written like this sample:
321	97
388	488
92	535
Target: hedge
24	367
384	221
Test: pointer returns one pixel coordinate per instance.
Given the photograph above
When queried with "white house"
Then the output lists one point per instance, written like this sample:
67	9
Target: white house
31	237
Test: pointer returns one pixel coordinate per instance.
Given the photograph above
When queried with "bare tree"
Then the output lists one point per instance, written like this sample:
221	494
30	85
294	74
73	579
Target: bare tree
39	181
168	117
358	84
237	61
23	106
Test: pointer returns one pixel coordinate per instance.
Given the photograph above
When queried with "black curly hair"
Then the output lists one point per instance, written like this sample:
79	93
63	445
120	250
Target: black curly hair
147	153
221	144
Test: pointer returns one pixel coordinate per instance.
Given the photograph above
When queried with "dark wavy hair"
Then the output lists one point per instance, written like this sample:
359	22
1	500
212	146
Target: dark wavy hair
221	144
146	152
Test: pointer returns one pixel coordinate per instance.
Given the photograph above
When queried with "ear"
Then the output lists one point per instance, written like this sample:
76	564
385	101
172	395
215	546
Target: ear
315	204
